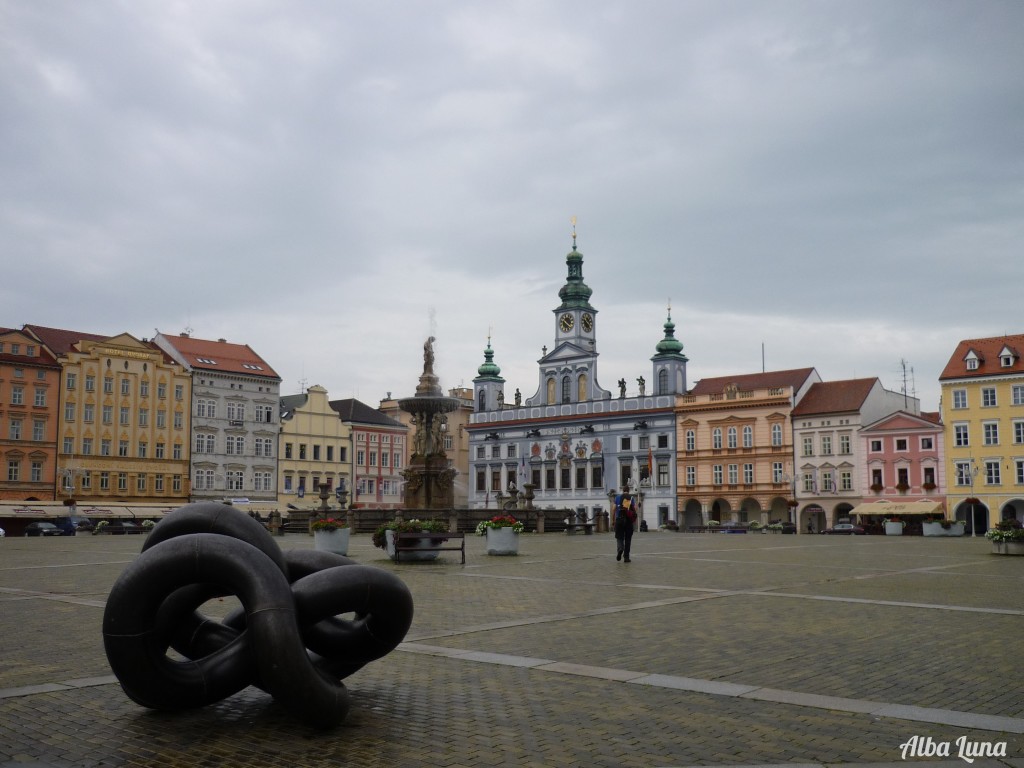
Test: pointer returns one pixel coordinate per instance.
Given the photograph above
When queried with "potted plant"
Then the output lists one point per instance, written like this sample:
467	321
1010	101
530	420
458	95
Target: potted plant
384	536
902	487
502	534
894	526
877	487
148	525
330	535
937	525
928	486
101	527
1007	538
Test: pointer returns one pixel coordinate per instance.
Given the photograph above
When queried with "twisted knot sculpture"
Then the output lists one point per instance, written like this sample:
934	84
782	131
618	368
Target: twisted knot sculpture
289	637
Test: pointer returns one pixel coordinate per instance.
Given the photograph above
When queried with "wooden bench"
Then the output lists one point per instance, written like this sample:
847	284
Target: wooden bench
411	541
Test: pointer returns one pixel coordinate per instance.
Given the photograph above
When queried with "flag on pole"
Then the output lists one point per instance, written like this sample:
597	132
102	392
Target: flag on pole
650	465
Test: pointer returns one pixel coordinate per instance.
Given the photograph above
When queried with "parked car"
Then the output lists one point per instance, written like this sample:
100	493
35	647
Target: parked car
845	529
72	524
121	527
41	528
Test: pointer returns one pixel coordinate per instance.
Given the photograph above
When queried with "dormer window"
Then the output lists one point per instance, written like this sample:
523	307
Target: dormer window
1007	357
971	360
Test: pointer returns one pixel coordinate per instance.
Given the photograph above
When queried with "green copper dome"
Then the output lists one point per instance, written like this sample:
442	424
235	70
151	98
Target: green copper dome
575	294
670	345
489	369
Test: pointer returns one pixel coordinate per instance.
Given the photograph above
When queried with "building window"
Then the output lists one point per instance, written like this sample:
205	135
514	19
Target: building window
845	480
990	433
71	379
158	483
105	446
748	474
104	481
126	417
17	395
596	477
69	445
716	474
777	474
809	482
960	436
844	445
1018	394
126	387
962	473
1020	471
959	398
496	479
122	481
992	473
716	438
302	453
748	436
122	448
140	483
662	474
927	444
826	445
13	470
691	440
901	444
143	388
734	474
691	475
731	437
808	446
776	435
988	397
626	444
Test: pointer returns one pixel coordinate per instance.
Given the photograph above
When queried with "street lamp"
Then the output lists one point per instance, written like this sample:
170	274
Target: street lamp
972	473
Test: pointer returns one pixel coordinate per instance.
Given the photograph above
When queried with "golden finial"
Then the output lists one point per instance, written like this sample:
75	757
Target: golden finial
573	220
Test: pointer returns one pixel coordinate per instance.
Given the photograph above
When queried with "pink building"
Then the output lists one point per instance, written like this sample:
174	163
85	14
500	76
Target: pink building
904	458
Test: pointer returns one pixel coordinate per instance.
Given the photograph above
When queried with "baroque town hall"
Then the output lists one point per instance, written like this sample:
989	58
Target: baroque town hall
575	441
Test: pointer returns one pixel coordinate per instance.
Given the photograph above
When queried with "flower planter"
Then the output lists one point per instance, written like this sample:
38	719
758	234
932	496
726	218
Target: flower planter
936	529
1008	547
893	529
335	541
389	539
502	541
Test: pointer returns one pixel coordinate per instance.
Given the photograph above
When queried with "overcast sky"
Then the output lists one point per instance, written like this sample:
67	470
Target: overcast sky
836	183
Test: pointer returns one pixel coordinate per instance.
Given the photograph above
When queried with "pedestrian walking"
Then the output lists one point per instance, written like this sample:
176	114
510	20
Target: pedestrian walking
624	522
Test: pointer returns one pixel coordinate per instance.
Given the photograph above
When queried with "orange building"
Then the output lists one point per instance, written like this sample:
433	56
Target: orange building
735	447
29	407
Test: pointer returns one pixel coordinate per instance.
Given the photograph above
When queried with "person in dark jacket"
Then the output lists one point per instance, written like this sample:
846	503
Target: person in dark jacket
624	522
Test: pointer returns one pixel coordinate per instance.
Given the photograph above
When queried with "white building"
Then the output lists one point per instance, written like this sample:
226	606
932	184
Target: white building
575	441
235	403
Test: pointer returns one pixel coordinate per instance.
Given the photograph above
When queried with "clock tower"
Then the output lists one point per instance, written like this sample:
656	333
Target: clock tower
568	373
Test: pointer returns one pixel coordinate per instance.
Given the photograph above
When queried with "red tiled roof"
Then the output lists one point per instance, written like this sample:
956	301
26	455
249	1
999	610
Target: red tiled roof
42	358
221	356
749	381
59	340
987	351
835	396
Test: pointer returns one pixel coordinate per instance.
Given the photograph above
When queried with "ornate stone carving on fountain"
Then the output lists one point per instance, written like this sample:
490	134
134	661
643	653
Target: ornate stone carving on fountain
429	479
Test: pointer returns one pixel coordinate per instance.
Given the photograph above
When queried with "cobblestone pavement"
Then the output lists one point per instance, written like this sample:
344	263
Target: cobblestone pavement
707	649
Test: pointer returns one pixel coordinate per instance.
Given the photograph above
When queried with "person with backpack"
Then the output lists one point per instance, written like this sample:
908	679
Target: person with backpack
624	522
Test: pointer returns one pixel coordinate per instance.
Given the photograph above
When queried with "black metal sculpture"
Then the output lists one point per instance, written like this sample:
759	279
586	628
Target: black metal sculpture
288	638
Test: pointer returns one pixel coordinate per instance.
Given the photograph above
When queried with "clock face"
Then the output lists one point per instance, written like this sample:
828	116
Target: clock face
566	322
588	323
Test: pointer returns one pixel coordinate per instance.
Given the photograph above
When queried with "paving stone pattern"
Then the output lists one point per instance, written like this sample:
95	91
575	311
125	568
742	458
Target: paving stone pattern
707	649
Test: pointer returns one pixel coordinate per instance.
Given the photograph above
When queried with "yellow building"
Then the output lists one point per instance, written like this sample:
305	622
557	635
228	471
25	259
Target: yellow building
735	447
123	421
983	413
314	448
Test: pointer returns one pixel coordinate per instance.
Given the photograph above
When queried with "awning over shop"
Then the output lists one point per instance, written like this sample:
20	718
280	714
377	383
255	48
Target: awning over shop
894	508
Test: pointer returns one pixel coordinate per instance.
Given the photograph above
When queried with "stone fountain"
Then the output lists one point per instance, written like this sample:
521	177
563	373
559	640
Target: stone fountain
429	478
